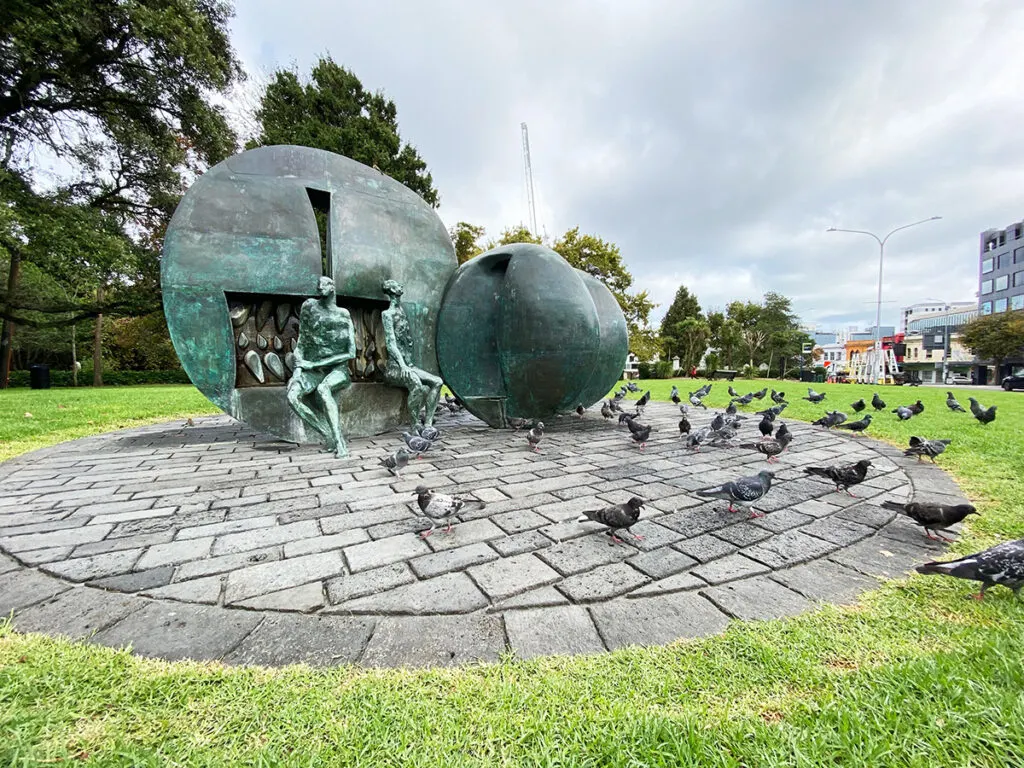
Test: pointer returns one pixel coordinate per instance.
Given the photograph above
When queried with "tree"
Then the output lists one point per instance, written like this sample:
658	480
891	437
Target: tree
334	111
683	306
510	235
753	341
691	340
995	337
465	237
119	92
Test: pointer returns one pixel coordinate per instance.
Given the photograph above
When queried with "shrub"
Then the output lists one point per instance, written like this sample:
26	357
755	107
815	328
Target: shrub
662	370
110	378
644	370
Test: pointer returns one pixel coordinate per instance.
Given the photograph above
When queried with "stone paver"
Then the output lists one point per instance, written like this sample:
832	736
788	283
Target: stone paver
215	542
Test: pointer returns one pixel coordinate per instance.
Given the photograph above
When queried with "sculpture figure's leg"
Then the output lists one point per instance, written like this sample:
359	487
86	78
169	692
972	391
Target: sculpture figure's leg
300	386
333	381
432	385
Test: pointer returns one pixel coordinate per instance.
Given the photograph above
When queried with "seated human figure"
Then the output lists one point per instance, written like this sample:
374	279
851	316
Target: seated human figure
325	345
424	387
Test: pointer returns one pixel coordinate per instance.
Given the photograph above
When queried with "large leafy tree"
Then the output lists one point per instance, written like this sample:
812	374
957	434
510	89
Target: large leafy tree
119	92
995	337
466	238
689	339
684	306
333	111
510	235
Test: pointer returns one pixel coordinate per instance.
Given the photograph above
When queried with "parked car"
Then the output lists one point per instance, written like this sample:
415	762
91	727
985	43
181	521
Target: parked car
1013	382
958	378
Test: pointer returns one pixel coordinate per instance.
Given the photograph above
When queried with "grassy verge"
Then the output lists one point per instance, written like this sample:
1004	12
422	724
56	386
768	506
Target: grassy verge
64	414
915	674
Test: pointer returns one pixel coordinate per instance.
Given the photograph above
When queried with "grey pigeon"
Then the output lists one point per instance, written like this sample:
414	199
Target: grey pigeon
439	507
858	406
606	411
639	432
921	447
517	424
731	408
704	391
984	415
1001	564
774	411
843	475
770	446
813	396
733	392
632	387
429	432
783	433
745	400
745	490
778	397
903	412
953	405
396	461
831	419
761	393
674	395
684	426
534	436
695	401
917	408
932	516
718	422
857	426
418	445
694	439
580	410
877	403
644	399
765	427
616	517
724	435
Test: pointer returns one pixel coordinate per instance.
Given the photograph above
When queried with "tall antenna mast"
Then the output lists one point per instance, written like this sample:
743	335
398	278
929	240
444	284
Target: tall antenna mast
529	180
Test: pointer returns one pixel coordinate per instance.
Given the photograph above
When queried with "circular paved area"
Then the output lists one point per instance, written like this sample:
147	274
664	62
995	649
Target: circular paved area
212	542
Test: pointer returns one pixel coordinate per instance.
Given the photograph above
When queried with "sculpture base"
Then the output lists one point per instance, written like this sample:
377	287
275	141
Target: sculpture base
366	409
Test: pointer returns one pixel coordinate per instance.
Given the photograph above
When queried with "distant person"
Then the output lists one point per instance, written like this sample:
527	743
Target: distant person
974	378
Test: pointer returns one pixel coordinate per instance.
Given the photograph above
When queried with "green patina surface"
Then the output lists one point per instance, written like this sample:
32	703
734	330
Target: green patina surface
523	334
248	227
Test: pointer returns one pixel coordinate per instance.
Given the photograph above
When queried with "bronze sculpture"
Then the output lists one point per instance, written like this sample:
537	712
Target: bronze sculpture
424	387
325	345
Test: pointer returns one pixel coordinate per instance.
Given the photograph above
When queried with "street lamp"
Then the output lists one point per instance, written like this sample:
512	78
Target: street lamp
878	310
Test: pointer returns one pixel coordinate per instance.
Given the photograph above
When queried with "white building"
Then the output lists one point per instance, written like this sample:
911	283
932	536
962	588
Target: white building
923	309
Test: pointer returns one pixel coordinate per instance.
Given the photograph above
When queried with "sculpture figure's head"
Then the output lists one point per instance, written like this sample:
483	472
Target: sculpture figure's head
392	288
325	287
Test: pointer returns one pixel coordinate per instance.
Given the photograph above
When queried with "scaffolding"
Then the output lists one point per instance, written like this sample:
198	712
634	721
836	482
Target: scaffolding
864	369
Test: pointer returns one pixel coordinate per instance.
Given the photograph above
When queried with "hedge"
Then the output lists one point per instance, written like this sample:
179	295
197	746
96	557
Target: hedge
110	378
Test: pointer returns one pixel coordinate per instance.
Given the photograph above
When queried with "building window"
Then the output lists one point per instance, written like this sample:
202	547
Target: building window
1018	279
1005	259
927	354
940	339
1002	282
986	286
1000	305
1017	302
987	266
1017	232
986	308
1018	255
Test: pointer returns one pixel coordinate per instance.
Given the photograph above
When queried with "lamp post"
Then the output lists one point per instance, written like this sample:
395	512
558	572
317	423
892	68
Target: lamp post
878	309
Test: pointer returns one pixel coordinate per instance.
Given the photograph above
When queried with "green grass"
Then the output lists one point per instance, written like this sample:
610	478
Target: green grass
64	414
915	674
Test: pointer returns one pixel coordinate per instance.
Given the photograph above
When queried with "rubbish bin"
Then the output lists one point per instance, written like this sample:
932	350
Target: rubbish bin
807	377
39	376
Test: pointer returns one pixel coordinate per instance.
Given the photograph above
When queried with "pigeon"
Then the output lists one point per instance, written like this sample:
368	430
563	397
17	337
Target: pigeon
856	426
733	392
745	490
917	408
439	507
718	422
831	419
1001	564
418	445
932	516
694	439
843	475
921	447
778	397
533	437
614	402
770	446
858	406
877	403
396	461
903	412
518	424
695	401
724	435
674	395
639	432
745	400
684	426
632	387
984	415
953	405
775	410
625	418
428	432
616	517
606	411
783	435
765	427
761	393
703	391
813	396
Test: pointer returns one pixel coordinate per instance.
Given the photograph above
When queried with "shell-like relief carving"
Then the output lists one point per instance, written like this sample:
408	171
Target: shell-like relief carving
255	366
289	360
261	342
239	314
278	344
263	313
243	340
281	313
274	364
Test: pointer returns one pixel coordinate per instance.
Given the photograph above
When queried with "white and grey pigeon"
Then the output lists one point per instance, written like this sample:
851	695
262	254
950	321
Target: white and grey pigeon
535	435
922	446
1001	564
696	437
696	402
396	461
439	507
718	422
429	432
418	445
903	412
616	517
953	405
744	491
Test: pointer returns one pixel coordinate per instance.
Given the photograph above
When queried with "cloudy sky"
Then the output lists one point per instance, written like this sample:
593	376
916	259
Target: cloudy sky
713	142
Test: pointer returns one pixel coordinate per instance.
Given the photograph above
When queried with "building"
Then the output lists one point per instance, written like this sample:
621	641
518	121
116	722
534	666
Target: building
869	333
1001	270
928	351
929	307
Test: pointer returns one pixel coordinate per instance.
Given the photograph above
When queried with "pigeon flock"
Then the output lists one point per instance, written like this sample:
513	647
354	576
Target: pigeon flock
1002	564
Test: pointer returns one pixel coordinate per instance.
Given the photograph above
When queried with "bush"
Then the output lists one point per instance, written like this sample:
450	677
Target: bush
110	378
662	370
644	370
750	371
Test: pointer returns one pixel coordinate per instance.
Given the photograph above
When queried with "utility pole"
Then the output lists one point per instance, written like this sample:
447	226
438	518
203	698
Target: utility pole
528	168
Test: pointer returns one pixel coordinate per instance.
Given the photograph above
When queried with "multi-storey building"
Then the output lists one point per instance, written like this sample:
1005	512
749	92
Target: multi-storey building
923	309
932	345
1001	270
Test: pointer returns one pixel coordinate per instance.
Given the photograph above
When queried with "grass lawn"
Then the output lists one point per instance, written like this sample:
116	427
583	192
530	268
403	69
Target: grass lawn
915	674
66	413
